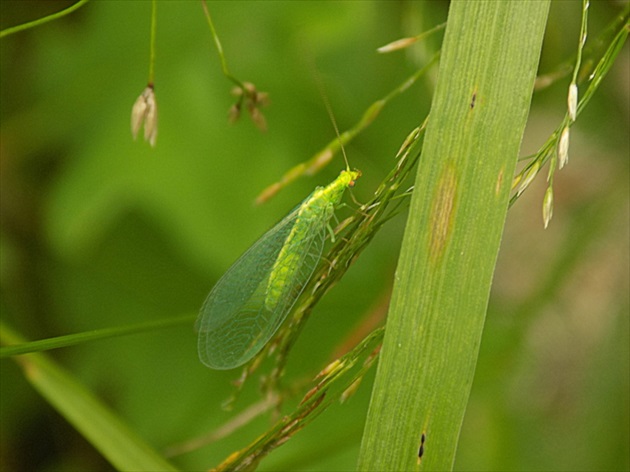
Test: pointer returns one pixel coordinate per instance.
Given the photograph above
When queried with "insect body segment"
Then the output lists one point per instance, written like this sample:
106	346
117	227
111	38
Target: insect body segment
313	217
249	303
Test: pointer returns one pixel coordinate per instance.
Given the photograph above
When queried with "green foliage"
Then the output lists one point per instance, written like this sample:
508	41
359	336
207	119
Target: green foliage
122	447
452	236
99	232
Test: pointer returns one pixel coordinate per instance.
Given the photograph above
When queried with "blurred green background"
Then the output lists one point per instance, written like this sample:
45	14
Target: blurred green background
98	230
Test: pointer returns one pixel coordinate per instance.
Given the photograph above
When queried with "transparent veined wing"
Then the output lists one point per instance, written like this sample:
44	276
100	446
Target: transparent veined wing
235	322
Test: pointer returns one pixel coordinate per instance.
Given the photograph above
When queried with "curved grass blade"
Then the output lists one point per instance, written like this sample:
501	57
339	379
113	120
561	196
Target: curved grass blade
96	422
249	303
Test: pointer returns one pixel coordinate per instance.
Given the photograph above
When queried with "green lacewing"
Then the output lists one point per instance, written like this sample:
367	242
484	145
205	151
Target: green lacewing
252	299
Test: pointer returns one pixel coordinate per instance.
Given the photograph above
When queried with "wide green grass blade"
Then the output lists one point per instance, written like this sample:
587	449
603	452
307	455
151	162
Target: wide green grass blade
97	423
458	209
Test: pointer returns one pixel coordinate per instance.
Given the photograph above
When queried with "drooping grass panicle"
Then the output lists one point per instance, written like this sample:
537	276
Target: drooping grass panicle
144	111
556	148
341	377
247	94
406	42
323	157
358	231
331	386
591	52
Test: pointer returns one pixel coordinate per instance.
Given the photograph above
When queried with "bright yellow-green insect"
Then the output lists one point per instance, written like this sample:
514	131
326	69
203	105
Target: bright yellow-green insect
249	303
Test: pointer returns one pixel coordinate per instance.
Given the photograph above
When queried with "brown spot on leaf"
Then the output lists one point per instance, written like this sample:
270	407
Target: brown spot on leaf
499	184
442	212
